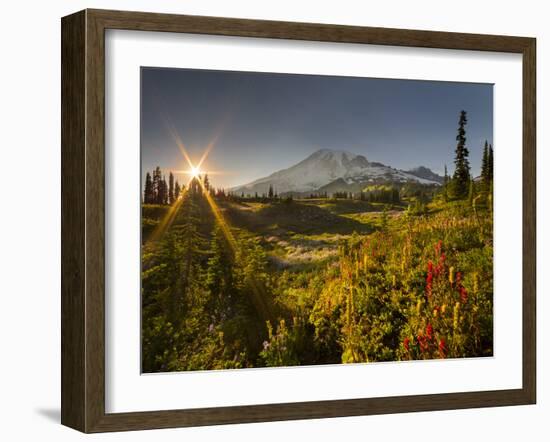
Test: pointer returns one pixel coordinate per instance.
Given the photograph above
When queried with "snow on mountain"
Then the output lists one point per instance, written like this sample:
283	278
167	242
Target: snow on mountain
424	172
326	166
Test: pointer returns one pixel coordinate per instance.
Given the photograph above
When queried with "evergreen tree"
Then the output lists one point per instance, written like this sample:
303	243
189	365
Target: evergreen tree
148	193
157	186
206	182
163	197
171	197
270	194
177	190
192	243
485	166
461	176
194	187
219	274
446	185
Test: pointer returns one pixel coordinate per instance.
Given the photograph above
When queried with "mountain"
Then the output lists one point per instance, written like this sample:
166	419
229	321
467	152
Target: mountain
425	173
334	170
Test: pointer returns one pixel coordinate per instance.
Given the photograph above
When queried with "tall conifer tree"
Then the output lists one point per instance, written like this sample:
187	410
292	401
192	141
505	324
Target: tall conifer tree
157	184
446	185
461	176
485	166
148	193
171	198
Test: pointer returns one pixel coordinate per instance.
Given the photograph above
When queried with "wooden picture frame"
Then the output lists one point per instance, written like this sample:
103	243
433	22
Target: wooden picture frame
83	220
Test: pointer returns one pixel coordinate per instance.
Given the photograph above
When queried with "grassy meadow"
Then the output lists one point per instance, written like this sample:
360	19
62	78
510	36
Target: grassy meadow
234	282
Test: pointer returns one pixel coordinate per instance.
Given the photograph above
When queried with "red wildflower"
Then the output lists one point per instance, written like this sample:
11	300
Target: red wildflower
406	343
422	342
442	348
429	332
438	248
429	279
458	279
463	294
440	264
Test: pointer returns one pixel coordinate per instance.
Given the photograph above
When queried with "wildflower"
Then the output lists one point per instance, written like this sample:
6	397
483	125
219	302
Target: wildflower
440	264
422	343
418	306
458	279
429	332
406	343
451	275
438	248
429	279
211	328
463	294
266	345
443	308
442	348
456	312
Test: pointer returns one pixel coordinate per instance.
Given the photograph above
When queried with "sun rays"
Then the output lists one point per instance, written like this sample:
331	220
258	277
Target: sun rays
194	172
197	173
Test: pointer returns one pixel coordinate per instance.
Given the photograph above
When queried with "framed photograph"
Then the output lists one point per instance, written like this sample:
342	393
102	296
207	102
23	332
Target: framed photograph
266	221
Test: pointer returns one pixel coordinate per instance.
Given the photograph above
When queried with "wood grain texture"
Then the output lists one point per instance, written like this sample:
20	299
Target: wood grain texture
83	220
73	129
529	220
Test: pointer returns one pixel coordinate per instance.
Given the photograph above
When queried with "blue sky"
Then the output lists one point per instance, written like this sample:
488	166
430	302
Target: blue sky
263	122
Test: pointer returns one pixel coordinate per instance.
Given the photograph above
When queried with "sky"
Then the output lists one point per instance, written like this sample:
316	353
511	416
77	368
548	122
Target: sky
259	123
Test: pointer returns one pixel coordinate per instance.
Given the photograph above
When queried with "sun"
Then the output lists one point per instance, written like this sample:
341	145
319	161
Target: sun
195	172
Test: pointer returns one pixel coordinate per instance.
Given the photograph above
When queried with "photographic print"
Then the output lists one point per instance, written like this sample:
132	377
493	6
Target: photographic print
298	220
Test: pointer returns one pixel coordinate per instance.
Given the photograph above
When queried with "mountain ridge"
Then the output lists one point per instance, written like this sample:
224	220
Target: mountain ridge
326	166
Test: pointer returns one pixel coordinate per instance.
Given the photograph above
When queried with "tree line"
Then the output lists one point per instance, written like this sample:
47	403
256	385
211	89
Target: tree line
461	184
158	191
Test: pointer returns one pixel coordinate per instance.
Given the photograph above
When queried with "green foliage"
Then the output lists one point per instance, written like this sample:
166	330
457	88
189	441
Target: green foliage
416	285
384	218
417	207
382	194
279	348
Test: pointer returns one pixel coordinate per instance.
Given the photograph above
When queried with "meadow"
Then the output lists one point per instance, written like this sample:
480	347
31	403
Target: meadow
235	282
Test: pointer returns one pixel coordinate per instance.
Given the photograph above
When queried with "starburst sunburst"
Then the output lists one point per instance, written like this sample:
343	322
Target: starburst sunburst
194	171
